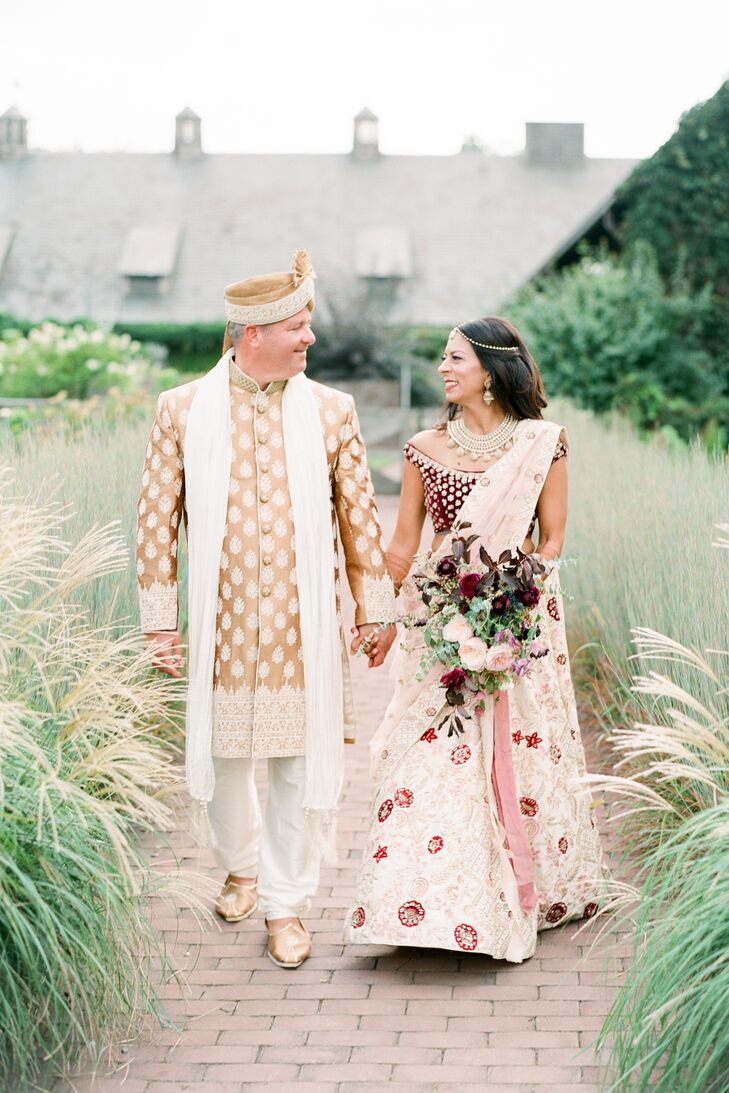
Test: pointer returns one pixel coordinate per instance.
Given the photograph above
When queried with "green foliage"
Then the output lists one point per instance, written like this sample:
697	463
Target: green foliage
80	361
190	347
609	335
86	766
678	202
666	1029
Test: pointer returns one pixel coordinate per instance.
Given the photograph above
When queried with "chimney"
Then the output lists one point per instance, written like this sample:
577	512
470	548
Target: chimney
366	140
555	143
188	135
13	135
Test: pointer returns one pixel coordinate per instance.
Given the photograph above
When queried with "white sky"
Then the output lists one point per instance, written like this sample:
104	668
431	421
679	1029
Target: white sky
289	75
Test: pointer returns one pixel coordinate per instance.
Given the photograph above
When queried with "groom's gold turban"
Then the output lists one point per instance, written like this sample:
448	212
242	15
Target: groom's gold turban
270	297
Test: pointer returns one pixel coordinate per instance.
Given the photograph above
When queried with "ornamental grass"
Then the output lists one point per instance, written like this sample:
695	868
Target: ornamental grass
86	767
639	554
667	1028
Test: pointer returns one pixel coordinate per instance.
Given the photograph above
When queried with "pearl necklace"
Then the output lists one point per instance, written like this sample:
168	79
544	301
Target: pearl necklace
481	445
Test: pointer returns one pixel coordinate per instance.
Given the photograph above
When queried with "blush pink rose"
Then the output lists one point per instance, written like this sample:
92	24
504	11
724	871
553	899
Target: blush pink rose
457	630
473	654
499	658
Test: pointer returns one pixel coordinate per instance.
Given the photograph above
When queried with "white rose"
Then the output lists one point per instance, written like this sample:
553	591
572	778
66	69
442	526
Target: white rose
457	630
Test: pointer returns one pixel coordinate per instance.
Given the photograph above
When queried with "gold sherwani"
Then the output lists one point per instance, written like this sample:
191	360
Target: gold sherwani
258	681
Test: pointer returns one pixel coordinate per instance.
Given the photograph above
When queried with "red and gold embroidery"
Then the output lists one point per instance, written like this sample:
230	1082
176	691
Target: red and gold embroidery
552	608
533	740
411	913
466	937
403	798
529	806
358	917
555	753
556	912
384	810
435	844
429	736
461	754
380	853
563	844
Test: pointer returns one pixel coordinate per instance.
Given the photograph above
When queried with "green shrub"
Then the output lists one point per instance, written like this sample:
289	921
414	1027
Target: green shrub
608	335
80	361
678	202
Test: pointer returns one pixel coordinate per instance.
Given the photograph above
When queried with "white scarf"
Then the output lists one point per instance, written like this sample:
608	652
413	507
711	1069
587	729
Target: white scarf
208	457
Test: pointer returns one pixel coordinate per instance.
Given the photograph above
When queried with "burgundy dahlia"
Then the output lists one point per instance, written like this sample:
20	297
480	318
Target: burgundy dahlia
500	604
446	567
529	596
454	678
468	584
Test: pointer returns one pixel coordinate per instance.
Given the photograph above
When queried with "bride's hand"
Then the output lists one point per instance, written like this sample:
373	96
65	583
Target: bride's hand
375	642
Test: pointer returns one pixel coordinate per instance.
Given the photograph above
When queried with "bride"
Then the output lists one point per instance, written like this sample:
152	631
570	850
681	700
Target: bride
481	839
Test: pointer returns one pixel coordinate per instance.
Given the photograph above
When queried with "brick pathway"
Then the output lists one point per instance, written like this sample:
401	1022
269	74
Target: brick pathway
366	1018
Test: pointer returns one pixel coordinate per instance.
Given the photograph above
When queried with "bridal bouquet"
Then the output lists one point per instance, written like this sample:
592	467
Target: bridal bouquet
481	621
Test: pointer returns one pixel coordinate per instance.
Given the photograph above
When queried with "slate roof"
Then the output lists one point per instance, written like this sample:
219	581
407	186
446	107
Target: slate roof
471	227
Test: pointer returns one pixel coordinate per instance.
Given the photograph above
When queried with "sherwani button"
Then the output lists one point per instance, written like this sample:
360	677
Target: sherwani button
265	591
262	439
268	560
266	529
265	498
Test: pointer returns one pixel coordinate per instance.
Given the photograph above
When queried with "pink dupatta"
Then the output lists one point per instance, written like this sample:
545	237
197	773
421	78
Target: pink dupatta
499	510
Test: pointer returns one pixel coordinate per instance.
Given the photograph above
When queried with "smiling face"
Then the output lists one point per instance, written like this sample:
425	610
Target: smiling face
281	348
461	371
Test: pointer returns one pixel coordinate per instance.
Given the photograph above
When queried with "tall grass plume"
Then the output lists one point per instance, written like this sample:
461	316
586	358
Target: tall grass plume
86	766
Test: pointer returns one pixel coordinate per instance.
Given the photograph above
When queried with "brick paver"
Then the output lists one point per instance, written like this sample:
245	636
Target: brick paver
366	1017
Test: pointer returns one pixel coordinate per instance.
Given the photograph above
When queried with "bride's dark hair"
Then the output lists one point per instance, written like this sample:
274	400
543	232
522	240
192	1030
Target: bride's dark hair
515	380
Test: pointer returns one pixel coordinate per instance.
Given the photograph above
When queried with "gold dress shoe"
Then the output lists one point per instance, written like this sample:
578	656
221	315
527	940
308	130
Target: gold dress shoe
236	901
290	946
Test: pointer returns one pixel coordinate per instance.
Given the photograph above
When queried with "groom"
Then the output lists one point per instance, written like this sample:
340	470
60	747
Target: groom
263	465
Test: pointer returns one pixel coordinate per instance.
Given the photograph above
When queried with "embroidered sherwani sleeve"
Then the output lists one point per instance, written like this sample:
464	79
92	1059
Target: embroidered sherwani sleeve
159	511
359	529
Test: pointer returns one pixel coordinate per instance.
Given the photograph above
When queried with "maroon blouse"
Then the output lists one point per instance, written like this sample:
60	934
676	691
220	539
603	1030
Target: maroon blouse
446	488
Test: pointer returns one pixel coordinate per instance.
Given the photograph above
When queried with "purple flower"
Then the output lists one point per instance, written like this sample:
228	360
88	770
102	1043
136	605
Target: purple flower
500	604
520	666
506	636
446	567
468	585
455	678
529	596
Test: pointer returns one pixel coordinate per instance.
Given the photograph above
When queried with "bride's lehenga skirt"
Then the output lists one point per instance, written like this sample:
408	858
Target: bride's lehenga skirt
435	871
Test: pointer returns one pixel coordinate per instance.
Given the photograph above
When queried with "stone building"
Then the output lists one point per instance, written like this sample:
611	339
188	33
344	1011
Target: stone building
155	237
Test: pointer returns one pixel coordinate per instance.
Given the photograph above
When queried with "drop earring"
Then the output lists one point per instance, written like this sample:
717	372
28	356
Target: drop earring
487	396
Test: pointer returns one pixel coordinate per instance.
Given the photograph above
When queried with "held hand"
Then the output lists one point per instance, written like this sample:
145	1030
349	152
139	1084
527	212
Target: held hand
165	648
375	642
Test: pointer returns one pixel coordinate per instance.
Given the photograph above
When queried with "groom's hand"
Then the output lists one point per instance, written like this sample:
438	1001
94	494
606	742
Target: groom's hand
375	640
165	649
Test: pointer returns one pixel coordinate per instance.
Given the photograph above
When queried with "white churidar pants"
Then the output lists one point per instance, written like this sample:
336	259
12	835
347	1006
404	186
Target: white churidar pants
273	847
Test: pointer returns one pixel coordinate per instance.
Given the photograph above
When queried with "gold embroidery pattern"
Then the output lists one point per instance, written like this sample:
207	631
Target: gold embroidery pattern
158	607
379	598
237	715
